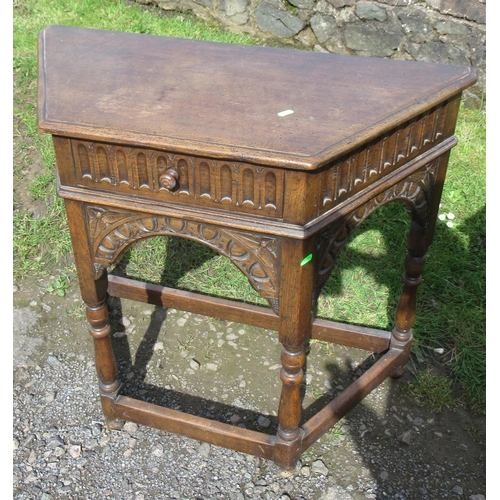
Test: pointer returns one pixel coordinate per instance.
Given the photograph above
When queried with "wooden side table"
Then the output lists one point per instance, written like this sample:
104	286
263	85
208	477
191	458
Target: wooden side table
271	157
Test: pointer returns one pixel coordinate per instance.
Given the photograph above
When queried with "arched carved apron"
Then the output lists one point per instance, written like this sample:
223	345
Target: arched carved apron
414	192
112	231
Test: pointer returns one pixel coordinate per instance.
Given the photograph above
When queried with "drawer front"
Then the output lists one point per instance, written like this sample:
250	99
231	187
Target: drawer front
363	167
174	178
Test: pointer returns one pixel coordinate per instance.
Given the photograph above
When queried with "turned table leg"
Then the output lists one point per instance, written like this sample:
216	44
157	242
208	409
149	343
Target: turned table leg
412	277
420	237
296	291
93	293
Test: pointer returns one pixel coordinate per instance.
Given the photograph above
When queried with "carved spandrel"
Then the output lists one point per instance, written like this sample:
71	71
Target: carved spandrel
414	192
373	161
112	231
203	181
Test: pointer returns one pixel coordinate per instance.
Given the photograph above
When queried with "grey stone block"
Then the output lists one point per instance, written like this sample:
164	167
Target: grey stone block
322	26
240	19
451	28
370	12
438	52
209	4
342	3
413	24
233	7
276	21
367	40
468	9
477	50
303	4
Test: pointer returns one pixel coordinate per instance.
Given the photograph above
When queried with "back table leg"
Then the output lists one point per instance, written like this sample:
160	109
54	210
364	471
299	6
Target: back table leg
93	293
420	237
412	277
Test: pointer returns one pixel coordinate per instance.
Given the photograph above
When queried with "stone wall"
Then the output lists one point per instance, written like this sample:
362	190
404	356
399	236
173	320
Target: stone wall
446	31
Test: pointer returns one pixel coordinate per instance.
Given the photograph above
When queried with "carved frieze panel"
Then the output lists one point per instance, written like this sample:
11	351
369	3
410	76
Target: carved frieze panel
414	191
214	183
112	231
371	163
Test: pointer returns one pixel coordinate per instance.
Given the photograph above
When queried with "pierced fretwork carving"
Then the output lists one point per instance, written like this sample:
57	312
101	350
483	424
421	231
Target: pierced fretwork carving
414	191
112	231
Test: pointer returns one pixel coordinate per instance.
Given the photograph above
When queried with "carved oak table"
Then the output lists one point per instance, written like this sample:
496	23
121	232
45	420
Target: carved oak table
271	157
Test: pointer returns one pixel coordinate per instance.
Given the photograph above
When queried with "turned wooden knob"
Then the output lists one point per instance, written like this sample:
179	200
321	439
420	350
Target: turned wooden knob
168	180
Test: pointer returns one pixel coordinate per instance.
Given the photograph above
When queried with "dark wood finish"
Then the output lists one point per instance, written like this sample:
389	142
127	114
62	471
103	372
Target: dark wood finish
93	293
213	432
369	339
297	284
239	91
163	136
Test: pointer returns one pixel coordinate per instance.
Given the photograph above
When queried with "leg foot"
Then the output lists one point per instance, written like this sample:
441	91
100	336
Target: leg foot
398	372
114	425
285	473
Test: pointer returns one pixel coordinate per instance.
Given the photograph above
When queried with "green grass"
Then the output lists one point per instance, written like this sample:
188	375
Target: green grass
365	286
187	265
40	244
431	390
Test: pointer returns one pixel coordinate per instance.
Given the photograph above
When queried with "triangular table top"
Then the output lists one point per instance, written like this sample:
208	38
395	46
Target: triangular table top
225	100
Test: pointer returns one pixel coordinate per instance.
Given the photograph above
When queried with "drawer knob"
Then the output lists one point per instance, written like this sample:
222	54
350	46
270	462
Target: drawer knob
168	180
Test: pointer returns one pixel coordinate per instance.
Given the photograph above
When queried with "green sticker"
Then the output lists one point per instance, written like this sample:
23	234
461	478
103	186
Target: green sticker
307	259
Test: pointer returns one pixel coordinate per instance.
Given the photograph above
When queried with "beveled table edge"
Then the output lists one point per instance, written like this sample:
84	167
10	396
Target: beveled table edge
230	152
258	157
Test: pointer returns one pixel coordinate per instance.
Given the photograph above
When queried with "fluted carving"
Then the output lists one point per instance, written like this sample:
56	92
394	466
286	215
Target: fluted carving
204	181
375	160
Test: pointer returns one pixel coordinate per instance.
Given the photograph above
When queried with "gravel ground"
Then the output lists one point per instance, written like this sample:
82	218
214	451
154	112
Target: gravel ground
388	447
